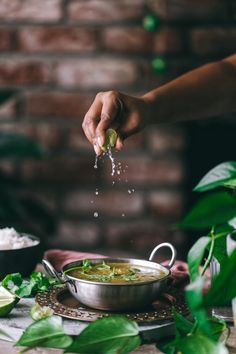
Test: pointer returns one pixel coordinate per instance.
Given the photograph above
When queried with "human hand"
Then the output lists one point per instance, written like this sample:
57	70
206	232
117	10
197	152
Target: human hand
126	114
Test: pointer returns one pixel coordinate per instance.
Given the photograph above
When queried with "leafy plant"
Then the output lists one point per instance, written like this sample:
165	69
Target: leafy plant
201	333
17	210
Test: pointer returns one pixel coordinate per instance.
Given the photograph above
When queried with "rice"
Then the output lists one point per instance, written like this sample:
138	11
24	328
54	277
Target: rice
10	239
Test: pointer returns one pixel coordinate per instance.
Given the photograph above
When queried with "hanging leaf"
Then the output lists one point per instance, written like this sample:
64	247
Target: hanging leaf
194	296
19	146
195	256
215	209
218	176
116	334
6	95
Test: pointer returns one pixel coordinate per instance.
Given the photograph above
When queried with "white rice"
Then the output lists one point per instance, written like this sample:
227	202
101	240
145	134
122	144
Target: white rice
10	239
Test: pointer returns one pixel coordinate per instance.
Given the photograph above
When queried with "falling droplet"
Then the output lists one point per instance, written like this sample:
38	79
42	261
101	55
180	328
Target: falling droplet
123	214
96	162
95	214
91	201
129	191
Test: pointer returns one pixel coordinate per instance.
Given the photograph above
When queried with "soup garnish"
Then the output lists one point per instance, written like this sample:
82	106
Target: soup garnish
114	272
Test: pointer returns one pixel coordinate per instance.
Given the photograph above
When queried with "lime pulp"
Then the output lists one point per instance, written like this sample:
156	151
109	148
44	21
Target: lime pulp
110	139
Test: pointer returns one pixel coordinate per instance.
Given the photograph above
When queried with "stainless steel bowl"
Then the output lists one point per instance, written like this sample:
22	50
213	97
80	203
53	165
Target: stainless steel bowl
115	297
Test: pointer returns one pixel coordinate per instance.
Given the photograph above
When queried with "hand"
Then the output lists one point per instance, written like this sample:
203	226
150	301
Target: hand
126	114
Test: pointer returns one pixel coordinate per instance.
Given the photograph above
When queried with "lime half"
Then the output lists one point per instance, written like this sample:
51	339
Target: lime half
7	301
110	139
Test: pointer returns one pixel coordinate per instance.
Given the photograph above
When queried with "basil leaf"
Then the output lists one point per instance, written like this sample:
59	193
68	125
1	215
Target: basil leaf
47	332
218	176
116	334
214	209
199	344
195	256
223	288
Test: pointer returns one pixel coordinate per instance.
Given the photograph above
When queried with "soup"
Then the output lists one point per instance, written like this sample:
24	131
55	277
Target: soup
115	273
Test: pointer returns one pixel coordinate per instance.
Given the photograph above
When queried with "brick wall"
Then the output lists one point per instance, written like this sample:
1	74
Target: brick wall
59	53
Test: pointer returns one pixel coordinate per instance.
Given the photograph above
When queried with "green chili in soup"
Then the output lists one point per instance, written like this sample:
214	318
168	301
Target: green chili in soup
115	273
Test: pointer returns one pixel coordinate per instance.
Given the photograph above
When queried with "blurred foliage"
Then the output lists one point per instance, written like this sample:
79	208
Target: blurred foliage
17	208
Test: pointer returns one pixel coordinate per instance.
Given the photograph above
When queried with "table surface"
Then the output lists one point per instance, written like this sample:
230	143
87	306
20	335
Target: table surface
19	319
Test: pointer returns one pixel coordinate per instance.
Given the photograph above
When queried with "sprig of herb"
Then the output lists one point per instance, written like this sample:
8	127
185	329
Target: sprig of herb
37	282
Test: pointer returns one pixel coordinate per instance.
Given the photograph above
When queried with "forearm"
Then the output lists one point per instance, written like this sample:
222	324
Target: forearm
204	92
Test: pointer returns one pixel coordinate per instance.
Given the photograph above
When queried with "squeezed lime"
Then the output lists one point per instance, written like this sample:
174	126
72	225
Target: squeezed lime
7	301
110	139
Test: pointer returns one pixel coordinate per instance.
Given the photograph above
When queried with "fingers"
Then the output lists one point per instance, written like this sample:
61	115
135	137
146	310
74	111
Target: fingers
110	108
106	107
91	120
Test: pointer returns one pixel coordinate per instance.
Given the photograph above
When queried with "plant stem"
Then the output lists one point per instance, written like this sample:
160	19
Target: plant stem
208	260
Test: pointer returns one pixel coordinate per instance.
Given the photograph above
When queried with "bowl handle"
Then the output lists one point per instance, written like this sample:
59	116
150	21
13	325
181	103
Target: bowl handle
51	271
173	253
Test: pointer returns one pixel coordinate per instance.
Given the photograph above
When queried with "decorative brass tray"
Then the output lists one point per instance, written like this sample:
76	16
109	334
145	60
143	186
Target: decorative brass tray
63	304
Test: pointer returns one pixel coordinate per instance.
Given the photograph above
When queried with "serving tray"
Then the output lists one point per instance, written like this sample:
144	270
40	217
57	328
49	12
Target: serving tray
65	305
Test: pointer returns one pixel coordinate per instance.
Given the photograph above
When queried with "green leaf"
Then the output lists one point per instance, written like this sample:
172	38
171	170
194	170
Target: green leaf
12	281
183	326
195	256
218	176
215	209
47	332
6	95
217	327
116	334
19	146
223	288
199	344
194	296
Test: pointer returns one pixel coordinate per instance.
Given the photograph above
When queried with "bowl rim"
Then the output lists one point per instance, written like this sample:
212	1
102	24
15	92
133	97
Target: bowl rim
168	272
35	238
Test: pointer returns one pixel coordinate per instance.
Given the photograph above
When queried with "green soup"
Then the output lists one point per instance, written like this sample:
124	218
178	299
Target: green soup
115	273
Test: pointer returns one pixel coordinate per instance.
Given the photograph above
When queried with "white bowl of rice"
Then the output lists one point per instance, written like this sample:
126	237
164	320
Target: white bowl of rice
19	252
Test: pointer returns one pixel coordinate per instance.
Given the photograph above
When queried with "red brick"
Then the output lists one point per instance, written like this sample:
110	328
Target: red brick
30	10
76	234
6	38
76	140
186	10
55	104
21	72
57	39
166	203
168	41
103	11
105	203
162	140
49	135
127	40
213	41
59	170
99	73
146	170
139	236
